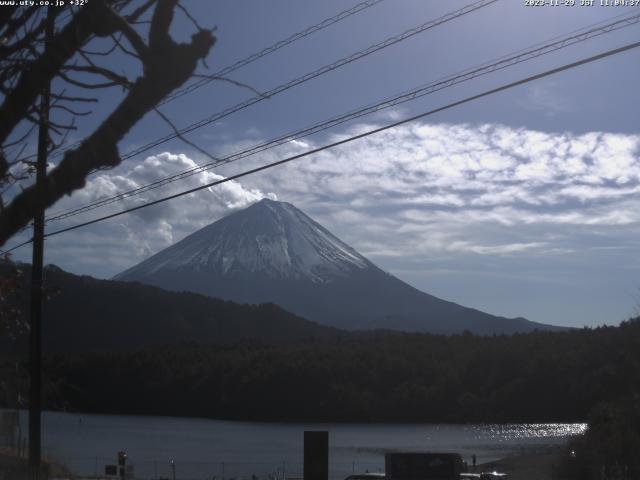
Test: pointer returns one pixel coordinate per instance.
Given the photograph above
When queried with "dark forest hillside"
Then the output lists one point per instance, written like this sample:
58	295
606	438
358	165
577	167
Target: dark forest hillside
84	314
188	355
534	377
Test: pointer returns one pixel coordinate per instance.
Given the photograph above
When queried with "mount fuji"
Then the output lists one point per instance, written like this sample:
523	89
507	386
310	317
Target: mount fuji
273	252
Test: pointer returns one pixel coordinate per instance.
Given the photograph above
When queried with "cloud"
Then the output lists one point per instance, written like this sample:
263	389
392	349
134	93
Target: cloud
421	192
433	189
546	97
148	230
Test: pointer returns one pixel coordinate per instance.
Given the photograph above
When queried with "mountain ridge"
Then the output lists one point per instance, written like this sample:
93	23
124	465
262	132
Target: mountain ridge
318	255
86	314
273	252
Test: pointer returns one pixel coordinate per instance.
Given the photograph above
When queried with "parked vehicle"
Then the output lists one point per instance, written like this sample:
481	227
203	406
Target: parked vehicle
423	466
483	476
367	476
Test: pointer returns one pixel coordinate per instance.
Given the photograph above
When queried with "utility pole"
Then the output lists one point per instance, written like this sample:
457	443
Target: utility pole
35	351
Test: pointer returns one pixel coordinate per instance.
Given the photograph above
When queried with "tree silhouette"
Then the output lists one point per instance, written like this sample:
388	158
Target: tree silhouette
26	66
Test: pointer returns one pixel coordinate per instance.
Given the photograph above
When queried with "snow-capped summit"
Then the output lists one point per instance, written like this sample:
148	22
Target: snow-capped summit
269	238
272	252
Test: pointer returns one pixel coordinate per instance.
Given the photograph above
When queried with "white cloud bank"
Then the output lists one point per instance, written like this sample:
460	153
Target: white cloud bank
133	237
419	190
488	205
428	190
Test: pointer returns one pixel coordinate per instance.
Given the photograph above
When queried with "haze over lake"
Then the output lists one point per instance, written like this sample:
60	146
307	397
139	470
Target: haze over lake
204	448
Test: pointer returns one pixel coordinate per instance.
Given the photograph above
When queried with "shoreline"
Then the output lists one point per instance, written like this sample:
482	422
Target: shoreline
15	466
530	465
539	464
186	416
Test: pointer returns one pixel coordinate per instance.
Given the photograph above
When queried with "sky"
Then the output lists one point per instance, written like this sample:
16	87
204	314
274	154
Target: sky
523	203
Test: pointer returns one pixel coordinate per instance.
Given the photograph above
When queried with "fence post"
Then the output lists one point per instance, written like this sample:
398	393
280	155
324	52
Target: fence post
19	437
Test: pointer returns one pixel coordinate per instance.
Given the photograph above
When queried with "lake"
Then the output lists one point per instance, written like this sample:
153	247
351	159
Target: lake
207	449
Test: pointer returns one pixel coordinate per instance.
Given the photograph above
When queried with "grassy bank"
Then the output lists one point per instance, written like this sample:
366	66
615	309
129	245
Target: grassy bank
14	467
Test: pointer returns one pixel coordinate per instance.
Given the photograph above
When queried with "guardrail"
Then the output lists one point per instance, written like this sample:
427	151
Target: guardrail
215	470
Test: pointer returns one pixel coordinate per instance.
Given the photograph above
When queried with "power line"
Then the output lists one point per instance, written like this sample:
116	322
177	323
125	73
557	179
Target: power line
316	73
272	48
486	93
325	69
322	70
465	75
327	22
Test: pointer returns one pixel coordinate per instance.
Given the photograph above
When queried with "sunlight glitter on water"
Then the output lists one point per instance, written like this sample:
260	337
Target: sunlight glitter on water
207	448
531	430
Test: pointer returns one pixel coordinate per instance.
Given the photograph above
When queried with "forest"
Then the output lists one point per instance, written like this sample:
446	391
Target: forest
382	377
85	314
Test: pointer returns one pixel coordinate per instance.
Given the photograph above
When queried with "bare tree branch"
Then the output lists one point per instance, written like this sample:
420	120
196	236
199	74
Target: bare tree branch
24	42
124	49
74	99
9	25
233	82
108	74
167	65
75	113
89	86
20	139
106	53
89	20
136	14
182	137
136	41
189	16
